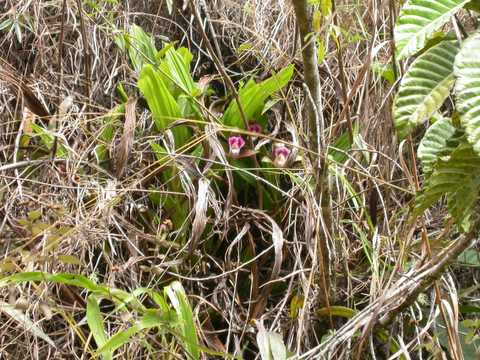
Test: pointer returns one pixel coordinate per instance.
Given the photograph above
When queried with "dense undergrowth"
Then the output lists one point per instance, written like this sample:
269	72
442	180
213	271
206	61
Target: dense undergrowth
176	182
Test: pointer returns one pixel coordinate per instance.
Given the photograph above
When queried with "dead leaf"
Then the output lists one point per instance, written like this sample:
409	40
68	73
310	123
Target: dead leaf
25	321
126	142
17	84
200	220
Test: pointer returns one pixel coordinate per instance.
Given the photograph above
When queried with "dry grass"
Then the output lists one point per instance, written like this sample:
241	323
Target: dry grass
73	215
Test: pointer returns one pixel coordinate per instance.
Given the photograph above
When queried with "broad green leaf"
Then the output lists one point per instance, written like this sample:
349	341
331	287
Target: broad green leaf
457	178
24	321
434	143
418	21
467	88
175	67
178	298
424	87
95	323
139	45
161	103
254	96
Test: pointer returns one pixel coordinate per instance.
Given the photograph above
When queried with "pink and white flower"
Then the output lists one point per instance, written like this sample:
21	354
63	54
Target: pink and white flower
235	144
280	155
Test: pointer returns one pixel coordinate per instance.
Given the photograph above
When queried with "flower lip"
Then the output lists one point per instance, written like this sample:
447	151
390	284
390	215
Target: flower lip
235	144
281	154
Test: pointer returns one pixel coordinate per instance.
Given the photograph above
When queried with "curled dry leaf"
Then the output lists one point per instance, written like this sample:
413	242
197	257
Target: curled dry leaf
25	321
17	84
278	240
63	110
219	152
200	220
126	142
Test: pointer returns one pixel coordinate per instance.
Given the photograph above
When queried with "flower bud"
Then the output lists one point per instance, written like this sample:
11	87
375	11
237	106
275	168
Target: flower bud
254	128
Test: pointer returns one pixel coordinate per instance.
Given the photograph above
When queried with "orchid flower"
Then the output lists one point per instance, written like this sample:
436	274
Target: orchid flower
280	155
235	144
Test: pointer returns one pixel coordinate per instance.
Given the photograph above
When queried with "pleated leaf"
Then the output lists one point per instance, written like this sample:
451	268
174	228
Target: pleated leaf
435	143
467	88
457	178
425	86
419	20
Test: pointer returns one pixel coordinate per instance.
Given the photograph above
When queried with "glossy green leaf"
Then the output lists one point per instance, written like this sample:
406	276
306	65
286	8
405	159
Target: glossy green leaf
175	67
67	279
140	47
163	106
120	339
253	97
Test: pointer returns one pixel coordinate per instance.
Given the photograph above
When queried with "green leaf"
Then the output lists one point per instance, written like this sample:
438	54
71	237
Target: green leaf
119	339
326	6
338	152
67	279
178	298
139	45
467	88
151	319
95	323
385	71
253	97
48	138
341	311
175	68
435	143
320	51
457	177
161	103
424	87
473	5
418	21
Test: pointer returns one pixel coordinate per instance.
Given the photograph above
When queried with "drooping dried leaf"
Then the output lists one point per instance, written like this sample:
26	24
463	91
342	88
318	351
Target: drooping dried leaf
17	84
200	220
126	142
